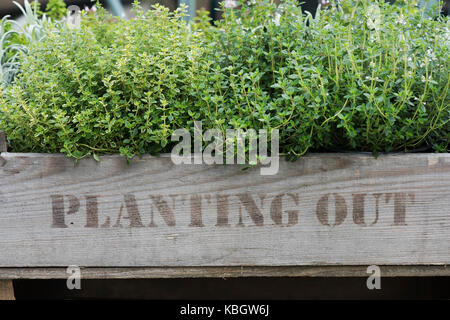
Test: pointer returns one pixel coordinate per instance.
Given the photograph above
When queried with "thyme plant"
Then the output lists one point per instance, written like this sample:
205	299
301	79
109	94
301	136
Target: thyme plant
359	75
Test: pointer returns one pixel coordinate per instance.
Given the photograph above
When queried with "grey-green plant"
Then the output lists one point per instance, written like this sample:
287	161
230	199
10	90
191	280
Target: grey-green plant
9	64
33	27
15	39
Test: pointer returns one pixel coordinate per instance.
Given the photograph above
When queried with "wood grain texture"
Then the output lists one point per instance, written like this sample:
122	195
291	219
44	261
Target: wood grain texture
224	272
324	209
6	290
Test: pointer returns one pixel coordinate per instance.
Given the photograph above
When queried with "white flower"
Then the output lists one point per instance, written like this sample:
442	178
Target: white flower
400	20
93	9
277	18
430	55
230	4
373	16
426	78
258	27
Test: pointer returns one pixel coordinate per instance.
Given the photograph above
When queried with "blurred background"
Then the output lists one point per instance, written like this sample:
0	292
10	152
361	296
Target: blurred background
122	7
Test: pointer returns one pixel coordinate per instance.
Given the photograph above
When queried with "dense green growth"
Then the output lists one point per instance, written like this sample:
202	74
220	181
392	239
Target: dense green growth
359	76
56	9
15	38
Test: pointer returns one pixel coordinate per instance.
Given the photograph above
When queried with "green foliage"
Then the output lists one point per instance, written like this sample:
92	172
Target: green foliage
36	6
56	9
111	86
361	75
15	38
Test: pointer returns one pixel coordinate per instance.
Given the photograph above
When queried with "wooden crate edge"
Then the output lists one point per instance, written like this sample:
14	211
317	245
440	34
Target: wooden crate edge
224	272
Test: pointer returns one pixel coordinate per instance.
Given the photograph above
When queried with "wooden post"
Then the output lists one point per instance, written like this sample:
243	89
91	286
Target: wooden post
6	286
6	290
3	144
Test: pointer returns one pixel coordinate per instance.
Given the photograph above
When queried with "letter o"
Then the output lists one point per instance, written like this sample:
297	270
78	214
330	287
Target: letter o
340	210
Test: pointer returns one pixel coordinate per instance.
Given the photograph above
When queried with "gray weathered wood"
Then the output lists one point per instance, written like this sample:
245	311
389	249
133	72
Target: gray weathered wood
224	272
3	144
154	213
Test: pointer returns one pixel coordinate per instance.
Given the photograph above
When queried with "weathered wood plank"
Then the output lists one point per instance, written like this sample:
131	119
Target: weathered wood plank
3	144
6	290
324	209
224	272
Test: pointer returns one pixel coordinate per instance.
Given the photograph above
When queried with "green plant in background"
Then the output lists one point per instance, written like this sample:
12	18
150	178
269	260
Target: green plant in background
56	9
36	5
360	75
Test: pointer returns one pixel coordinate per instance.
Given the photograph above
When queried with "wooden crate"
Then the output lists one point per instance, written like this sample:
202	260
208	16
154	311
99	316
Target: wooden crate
323	215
